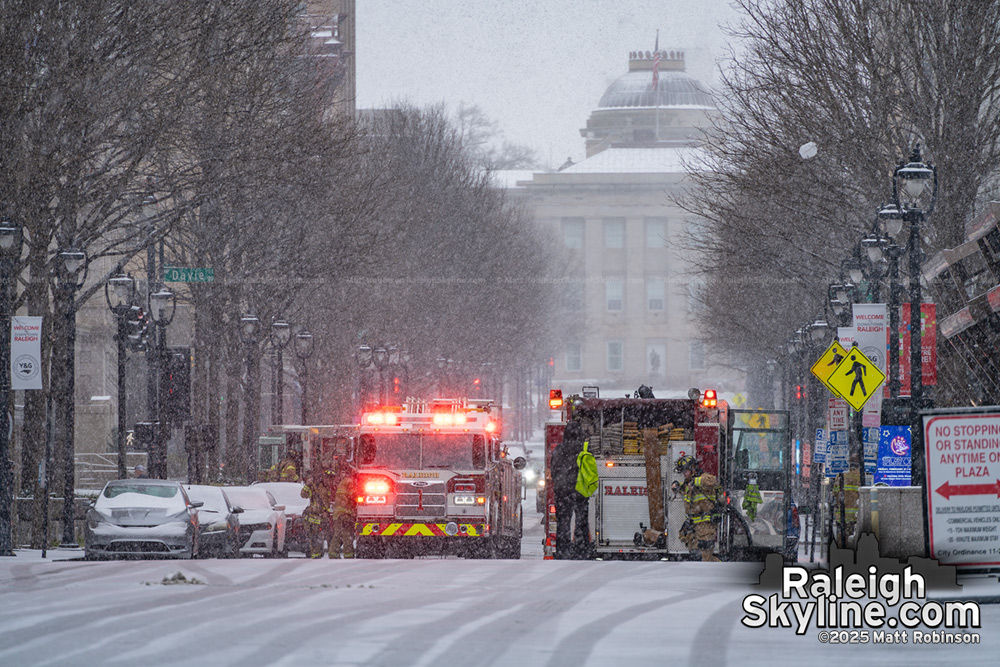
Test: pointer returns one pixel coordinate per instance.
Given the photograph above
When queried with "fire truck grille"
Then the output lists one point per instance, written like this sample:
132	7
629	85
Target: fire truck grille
421	501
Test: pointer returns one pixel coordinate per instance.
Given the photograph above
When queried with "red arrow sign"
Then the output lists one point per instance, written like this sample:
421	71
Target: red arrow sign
948	490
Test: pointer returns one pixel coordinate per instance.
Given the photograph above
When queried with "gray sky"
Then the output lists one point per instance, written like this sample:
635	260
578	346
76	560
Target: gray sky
537	67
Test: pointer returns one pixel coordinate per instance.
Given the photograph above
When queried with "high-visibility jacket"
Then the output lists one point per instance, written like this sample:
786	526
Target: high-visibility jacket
699	497
345	500
289	473
852	480
319	496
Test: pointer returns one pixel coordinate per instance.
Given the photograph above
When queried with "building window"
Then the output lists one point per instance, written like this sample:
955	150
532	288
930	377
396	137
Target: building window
573	232
614	232
616	355
655	293
574	357
614	293
656	232
696	356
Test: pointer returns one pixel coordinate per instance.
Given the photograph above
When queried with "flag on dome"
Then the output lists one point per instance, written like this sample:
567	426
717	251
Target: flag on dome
656	62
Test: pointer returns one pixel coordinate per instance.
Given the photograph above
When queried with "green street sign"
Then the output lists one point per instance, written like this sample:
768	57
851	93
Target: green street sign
179	274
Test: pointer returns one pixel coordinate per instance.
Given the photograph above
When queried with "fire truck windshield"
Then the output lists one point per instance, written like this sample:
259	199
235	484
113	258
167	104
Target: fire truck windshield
460	451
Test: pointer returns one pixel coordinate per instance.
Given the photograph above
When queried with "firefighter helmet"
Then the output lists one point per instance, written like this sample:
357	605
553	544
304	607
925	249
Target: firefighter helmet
685	462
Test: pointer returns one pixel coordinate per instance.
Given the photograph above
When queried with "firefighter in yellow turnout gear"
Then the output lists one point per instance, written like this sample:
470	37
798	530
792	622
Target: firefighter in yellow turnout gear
698	491
847	514
343	518
317	515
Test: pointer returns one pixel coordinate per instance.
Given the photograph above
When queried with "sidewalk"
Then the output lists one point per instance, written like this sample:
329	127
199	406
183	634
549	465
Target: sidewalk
35	555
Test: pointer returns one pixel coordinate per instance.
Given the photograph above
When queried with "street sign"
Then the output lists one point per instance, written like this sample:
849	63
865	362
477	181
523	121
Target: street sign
837	414
828	362
856	378
837	456
963	488
180	274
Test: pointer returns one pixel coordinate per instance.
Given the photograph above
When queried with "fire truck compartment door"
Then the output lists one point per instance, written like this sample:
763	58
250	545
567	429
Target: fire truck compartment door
621	499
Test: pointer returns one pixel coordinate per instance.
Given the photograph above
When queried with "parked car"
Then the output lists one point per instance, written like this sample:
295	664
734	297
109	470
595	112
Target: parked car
534	478
142	518
289	494
218	521
262	522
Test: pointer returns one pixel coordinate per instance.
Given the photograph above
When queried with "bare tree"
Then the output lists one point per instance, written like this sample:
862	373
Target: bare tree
865	80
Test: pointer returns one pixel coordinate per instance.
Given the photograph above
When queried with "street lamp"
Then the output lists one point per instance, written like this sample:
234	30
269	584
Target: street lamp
281	333
162	308
249	327
304	350
119	293
69	280
914	191
381	358
11	235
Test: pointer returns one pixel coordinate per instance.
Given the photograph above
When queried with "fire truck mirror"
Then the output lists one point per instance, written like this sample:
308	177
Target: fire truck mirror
520	462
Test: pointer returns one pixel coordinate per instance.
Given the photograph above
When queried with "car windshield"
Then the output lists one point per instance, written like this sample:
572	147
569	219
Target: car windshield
136	494
210	495
248	498
419	450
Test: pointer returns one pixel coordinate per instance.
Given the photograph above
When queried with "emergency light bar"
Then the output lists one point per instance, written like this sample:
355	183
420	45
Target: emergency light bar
555	399
710	399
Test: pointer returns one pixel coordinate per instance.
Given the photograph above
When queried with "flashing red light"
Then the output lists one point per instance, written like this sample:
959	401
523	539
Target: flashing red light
610	464
800	392
395	385
555	399
710	399
491	427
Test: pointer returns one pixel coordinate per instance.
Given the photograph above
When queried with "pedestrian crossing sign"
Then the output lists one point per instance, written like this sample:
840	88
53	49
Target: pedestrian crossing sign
828	361
856	378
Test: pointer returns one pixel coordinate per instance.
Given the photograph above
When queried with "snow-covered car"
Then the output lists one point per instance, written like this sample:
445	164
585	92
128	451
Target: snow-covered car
142	518
218	521
289	494
262	522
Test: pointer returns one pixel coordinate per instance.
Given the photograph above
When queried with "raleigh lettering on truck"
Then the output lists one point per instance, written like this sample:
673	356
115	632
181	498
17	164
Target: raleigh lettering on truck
433	478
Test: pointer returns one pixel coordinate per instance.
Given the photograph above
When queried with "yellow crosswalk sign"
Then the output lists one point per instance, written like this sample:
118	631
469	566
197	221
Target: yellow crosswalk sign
856	378
827	363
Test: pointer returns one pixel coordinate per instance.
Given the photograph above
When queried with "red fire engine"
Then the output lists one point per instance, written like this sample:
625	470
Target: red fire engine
433	478
637	442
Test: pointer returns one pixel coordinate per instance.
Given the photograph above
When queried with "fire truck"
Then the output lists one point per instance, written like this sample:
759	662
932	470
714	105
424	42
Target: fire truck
433	478
637	442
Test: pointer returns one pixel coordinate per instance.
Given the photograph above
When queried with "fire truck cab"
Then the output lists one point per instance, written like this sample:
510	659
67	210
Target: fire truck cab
637	443
433	478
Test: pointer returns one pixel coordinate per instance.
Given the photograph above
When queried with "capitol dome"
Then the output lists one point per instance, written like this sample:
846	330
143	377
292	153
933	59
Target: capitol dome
631	113
675	88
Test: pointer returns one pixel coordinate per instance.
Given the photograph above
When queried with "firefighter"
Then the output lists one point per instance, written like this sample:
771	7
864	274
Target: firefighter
343	518
572	522
698	491
848	506
317	515
290	467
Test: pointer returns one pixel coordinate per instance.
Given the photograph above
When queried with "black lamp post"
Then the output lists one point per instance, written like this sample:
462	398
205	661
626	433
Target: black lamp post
914	191
380	356
162	307
364	358
69	280
119	293
303	350
249	328
891	223
281	333
11	236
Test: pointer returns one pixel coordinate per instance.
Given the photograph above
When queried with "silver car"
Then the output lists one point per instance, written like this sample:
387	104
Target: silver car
218	521
141	518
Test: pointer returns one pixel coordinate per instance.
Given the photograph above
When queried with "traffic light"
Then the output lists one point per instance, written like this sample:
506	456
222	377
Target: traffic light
800	392
175	384
136	329
477	386
395	385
